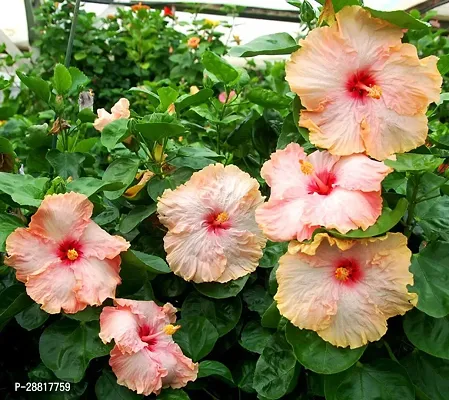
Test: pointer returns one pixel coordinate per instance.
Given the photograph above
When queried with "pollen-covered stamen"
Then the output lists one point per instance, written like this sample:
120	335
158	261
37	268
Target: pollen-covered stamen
171	329
72	254
318	185
306	167
342	273
373	91
222	217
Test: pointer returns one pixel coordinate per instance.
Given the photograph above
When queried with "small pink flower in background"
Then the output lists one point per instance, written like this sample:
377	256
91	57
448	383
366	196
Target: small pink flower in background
212	232
345	290
64	258
145	357
223	98
308	192
362	89
119	110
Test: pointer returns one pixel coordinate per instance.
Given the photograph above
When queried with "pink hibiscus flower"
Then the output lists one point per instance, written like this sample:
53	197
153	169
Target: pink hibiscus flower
145	357
345	290
64	258
212	232
363	90
308	192
119	110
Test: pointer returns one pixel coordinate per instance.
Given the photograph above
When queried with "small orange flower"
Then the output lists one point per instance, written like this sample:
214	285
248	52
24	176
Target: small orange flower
194	42
111	17
237	40
140	6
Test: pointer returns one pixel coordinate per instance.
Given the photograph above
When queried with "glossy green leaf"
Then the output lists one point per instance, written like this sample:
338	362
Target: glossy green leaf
168	96
13	300
275	44
197	336
89	186
87	115
172	394
152	97
8	224
108	215
217	290
85	145
156	131
114	132
431	279
88	314
428	334
62	79
193	100
65	164
433	217
223	314
318	355
254	337
32	317
67	346
23	189
217	369
414	162
271	254
443	64
399	18
275	368
224	71
244	375
268	99
37	85
271	317
151	263
6	146
257	299
107	388
135	217
79	79
122	170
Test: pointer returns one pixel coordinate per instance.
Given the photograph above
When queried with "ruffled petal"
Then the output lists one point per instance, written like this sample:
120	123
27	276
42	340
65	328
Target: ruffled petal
137	371
358	172
62	216
103	119
121	325
97	243
97	279
195	256
29	254
121	109
55	289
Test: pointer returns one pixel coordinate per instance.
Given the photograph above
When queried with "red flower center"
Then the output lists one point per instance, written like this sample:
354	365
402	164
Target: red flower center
361	84
347	271
147	336
321	183
218	221
69	251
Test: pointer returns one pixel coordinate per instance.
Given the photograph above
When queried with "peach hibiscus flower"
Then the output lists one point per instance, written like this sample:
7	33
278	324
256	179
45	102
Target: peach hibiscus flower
345	290
193	42
363	90
119	110
212	232
310	191
64	258
145	357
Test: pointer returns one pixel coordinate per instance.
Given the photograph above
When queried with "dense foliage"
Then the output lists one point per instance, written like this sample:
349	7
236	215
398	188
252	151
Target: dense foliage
191	108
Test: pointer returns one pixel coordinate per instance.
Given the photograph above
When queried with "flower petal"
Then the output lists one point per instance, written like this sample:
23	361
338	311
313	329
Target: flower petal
62	216
121	109
121	325
55	289
29	254
103	119
358	172
137	371
97	279
97	243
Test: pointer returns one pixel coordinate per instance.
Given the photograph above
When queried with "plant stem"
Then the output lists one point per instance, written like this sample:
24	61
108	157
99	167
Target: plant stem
68	54
411	208
390	352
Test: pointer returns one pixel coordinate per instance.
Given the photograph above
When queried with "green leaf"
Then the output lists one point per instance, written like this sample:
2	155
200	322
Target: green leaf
135	217
6	146
271	254
193	100
89	186
222	290
275	368
152	97
387	220
168	96
107	388
443	64
429	374
134	278
114	132
156	131
275	44
414	162
153	264
254	337
223	314
383	379
110	214
23	189
431	279
428	334
399	18
257	299
37	85
224	71
215	368
8	224
62	79
13	300
197	336
289	134
268	99
87	115
122	170
244	375
433	217
79	79
86	315
32	317
67	346
172	394
271	317
318	355
85	145
37	136
65	164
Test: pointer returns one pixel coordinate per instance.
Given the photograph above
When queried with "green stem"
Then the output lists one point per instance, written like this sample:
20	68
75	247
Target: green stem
68	54
411	208
390	352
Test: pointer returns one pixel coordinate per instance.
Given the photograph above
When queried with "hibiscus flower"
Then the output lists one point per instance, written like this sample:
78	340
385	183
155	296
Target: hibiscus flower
212	232
64	258
345	290
362	89
119	110
308	192
145	357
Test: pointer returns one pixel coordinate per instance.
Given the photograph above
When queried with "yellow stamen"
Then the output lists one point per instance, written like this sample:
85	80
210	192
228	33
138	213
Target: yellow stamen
306	167
222	217
72	254
342	274
171	329
375	92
